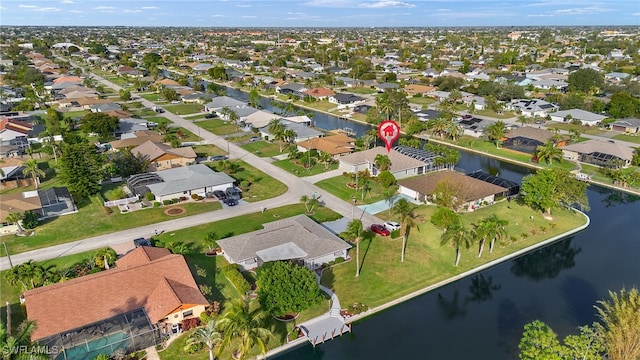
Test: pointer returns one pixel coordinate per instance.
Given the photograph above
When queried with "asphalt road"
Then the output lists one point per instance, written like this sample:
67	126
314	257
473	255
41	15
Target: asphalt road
296	188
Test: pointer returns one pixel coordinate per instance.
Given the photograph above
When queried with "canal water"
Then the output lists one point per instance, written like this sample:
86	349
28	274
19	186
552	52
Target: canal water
482	316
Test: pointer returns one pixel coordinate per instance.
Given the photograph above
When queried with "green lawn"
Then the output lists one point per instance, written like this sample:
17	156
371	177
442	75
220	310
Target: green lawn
187	136
218	126
150	96
73	114
493	114
299	170
583	129
195	117
260	185
144	113
629	138
361	90
263	148
424	101
338	187
184	109
323	105
208	150
384	278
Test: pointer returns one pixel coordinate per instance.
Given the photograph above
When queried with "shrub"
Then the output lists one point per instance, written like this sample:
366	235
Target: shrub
244	184
167	202
205	290
232	272
156	204
190	323
195	196
395	234
149	196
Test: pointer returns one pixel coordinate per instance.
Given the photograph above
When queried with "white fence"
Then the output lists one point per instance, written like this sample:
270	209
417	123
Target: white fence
121	201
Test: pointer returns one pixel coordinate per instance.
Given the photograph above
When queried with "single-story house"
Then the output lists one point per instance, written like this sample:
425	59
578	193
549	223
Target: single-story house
386	85
475	193
598	152
296	238
402	166
220	102
162	156
136	138
628	125
180	182
427	114
474	126
259	119
319	93
149	288
302	131
12	128
47	203
346	99
585	117
336	145
527	139
416	89
533	107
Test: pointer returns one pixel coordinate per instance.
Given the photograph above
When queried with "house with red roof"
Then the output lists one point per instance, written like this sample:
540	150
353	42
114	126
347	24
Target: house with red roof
149	289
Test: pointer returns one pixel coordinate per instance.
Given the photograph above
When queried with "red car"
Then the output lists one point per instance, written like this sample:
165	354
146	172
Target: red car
379	229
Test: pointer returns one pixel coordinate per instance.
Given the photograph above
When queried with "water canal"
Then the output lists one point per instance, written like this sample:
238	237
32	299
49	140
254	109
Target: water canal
482	316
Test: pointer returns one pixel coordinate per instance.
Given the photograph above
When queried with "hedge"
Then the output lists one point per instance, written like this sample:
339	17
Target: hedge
232	272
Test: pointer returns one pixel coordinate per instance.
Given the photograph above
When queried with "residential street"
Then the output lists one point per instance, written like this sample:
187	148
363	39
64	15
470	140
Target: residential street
296	188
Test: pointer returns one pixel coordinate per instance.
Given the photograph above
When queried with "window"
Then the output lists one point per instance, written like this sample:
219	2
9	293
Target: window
187	313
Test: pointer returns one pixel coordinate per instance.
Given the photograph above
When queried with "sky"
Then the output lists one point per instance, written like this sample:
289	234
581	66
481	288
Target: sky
318	13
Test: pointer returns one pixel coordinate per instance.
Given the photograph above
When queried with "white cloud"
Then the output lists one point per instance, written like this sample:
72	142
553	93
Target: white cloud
150	8
129	11
243	5
75	11
218	16
66	2
47	9
581	11
386	4
249	17
27	6
104	8
330	3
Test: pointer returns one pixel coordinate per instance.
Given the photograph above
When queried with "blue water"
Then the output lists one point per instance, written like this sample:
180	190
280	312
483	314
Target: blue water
104	345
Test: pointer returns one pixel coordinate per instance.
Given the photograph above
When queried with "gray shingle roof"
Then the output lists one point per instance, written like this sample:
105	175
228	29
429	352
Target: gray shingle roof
187	178
307	235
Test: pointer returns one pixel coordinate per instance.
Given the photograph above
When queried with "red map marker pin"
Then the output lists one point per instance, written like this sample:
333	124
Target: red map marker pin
388	131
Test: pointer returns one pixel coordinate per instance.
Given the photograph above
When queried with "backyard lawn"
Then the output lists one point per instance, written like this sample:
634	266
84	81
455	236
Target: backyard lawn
184	109
384	278
263	148
218	126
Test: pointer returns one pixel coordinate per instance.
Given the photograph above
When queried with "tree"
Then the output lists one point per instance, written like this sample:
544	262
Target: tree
354	233
207	335
310	203
549	152
438	126
407	222
100	123
169	94
539	342
254	98
276	129
285	288
15	218
172	139
552	188
620	324
386	179
151	60
238	321
53	121
10	344
443	218
125	95
492	228
459	237
126	163
31	169
382	162
211	241
496	132
29	220
585	80
623	105
80	169
389	194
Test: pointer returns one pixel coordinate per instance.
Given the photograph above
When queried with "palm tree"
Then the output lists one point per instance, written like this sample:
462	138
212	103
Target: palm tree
619	324
211	241
238	321
382	162
277	130
234	118
549	152
454	131
172	139
407	221
438	126
9	344
459	236
310	203
384	104
496	132
31	169
15	218
523	120
289	136
354	233
206	335
492	228
389	194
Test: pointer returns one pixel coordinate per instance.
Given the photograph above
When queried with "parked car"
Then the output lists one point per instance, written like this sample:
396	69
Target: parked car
233	193
142	242
210	116
175	102
217	158
221	195
231	202
380	230
255	138
391	225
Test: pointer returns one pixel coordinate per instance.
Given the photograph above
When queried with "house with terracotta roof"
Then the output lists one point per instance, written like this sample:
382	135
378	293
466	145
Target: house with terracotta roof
136	138
12	128
149	288
402	166
163	156
415	89
336	145
320	93
296	238
474	193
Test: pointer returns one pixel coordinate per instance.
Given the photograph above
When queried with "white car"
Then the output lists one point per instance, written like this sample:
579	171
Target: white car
391	225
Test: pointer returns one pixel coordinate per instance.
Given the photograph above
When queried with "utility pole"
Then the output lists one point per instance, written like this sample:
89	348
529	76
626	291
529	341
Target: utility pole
6	250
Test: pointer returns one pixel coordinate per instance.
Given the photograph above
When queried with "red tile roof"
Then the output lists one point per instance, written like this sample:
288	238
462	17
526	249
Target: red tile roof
15	125
149	278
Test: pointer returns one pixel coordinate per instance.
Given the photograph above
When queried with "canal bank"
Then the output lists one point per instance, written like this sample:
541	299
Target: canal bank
372	311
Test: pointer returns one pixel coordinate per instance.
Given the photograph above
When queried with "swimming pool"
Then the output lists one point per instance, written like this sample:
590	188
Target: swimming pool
103	345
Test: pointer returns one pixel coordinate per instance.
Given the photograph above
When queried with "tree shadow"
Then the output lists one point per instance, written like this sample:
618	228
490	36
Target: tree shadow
481	289
328	278
451	308
547	262
369	237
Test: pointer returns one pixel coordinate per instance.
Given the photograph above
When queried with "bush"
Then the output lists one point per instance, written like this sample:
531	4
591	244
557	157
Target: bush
167	202
149	196
195	196
232	272
395	234
190	323
157	204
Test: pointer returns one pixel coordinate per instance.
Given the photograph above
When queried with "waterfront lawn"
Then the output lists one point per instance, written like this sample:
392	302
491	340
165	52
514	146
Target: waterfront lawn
384	278
338	187
218	126
301	171
184	109
629	138
323	105
264	148
255	184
